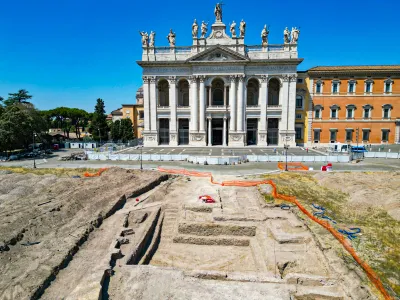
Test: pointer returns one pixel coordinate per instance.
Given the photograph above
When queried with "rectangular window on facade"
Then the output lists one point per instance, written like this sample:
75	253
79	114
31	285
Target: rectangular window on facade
386	113
349	135
351	87
318	114
366	113
141	115
368	87
298	116
333	134
385	135
299	80
299	101
349	113
299	133
333	113
387	87
335	88
365	135
317	135
318	88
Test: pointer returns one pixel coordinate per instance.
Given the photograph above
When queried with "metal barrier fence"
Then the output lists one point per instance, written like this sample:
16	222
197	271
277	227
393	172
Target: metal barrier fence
299	158
92	155
382	155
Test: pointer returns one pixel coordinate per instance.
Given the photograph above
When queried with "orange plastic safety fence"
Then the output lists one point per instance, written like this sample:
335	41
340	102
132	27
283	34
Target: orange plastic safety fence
370	273
292	166
98	173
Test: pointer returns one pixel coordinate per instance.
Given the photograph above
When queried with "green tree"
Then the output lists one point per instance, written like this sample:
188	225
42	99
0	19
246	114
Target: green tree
99	125
116	130
17	125
22	96
126	130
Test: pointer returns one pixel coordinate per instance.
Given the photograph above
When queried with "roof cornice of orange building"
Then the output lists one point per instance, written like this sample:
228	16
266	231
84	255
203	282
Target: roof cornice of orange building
385	70
131	105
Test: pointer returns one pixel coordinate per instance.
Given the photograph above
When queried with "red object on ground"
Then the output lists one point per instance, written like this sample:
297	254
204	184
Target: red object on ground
207	199
323	168
329	165
56	147
137	199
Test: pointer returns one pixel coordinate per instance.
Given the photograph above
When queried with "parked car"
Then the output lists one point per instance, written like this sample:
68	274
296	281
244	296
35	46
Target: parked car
13	157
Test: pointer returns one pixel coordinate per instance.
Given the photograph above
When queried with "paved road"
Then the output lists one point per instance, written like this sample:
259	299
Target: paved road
380	164
220	151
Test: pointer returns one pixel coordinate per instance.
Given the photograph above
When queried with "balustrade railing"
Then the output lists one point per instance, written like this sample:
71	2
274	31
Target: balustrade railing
183	49
255	48
162	50
275	47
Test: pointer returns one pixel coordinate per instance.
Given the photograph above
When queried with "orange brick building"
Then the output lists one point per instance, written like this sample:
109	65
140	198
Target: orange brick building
354	98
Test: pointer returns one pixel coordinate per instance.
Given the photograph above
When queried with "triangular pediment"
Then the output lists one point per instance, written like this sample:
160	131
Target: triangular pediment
217	53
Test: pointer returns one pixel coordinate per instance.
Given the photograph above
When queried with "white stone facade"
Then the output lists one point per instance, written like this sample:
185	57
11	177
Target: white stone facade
219	91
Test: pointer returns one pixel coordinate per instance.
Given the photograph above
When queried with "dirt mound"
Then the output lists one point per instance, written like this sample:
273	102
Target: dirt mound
45	218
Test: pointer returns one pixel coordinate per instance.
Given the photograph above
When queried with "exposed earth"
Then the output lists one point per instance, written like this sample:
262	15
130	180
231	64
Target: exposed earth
145	235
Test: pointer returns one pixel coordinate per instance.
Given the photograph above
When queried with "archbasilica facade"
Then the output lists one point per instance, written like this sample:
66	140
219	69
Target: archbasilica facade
219	91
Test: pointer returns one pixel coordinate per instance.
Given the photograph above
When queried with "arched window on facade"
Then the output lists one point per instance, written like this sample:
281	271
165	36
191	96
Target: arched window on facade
217	91
299	101
252	92
183	93
273	91
163	93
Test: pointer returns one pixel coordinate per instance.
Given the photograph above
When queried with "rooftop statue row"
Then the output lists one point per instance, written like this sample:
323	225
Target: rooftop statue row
288	37
149	40
291	37
218	31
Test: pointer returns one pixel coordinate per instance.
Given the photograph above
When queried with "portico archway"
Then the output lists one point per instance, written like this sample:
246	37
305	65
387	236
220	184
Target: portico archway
183	93
217	92
163	93
252	92
273	91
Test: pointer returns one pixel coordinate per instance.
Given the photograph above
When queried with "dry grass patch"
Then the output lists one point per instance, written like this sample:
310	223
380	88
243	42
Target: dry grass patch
53	171
379	243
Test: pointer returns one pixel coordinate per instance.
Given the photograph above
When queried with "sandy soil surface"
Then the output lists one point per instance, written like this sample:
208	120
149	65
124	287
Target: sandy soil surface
366	189
45	218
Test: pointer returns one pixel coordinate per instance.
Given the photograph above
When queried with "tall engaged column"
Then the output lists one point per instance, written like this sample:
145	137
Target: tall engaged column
232	102
224	132
146	102
284	101
195	104
292	102
172	103
209	132
240	114
263	102
202	104
153	104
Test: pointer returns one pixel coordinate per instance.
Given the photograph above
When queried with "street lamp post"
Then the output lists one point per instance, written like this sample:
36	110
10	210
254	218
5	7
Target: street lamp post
99	137
33	151
141	165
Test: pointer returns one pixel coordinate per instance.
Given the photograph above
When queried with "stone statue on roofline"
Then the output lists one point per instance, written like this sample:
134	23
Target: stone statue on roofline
232	28
218	12
295	35
171	38
195	29
203	29
242	28
286	36
145	38
264	35
152	38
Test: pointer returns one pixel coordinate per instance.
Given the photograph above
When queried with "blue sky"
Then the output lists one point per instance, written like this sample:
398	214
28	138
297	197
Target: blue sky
70	52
